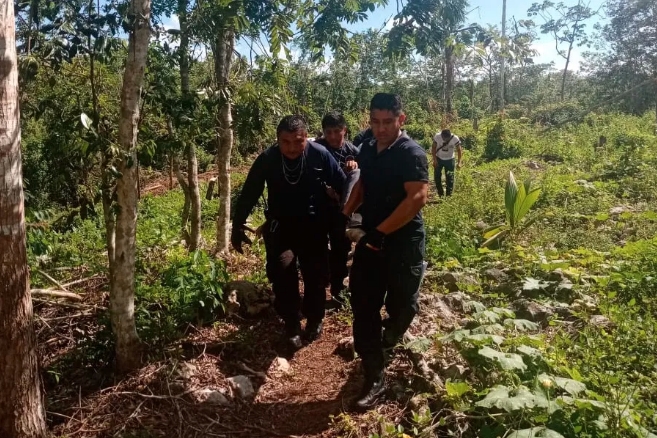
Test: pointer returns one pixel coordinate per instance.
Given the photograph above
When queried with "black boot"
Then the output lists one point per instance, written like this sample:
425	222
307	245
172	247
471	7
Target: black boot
313	330
372	394
293	335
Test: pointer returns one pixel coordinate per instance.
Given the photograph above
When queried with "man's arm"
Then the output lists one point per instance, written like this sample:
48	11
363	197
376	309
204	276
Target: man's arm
434	147
417	193
251	191
459	153
355	199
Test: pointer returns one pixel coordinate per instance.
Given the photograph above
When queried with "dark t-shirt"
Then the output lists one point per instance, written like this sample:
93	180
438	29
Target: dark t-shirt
342	154
290	196
383	176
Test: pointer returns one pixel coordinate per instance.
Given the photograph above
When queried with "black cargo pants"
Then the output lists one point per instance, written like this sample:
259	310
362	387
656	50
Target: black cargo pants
305	242
449	166
393	278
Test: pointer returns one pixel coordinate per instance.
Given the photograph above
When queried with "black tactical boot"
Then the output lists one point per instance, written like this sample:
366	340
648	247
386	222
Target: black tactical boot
293	335
372	394
313	330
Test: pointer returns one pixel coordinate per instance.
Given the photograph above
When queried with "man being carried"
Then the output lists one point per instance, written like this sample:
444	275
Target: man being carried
388	261
442	151
301	177
334	128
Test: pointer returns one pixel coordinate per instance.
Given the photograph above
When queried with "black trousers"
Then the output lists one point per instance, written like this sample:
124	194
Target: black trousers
392	278
340	246
448	165
305	242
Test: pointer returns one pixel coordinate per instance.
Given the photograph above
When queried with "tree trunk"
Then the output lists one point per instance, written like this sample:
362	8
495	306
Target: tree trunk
223	55
122	283
565	73
21	401
503	58
449	78
184	220
193	196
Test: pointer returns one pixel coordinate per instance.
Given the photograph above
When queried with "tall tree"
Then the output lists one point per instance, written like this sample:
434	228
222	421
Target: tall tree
122	284
21	403
567	26
434	27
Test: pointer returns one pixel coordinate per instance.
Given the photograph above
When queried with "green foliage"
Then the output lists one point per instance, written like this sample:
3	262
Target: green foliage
518	200
499	144
197	282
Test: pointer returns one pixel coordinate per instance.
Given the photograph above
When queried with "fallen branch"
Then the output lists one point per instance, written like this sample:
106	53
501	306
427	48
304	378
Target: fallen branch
56	294
80	281
55	282
71	305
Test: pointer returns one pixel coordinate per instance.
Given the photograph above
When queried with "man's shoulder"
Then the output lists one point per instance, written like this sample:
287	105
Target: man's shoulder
412	146
318	150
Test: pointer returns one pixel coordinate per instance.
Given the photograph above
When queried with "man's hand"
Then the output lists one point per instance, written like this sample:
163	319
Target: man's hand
459	165
238	237
372	240
350	165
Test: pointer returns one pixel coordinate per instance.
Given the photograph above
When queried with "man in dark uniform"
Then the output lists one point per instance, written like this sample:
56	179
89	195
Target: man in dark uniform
388	261
364	136
302	178
334	128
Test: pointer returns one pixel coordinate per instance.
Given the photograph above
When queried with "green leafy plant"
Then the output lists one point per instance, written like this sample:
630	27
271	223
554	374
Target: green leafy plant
518	200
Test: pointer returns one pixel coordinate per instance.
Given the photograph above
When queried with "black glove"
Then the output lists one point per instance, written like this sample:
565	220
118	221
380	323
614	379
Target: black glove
238	237
373	240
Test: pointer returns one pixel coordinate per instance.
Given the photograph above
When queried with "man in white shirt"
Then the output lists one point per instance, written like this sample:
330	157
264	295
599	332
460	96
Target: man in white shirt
442	151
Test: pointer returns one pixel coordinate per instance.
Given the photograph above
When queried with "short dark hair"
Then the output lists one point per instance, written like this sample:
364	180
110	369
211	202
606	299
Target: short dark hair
334	119
387	101
445	133
292	123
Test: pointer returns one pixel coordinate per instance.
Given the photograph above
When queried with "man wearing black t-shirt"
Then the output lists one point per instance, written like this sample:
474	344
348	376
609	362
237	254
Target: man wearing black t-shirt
388	261
302	178
334	128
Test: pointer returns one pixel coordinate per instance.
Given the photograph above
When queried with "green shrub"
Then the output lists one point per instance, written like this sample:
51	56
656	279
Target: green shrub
556	114
499	145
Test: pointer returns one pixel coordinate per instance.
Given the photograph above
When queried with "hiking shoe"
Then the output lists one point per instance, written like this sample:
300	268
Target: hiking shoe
293	335
372	394
313	330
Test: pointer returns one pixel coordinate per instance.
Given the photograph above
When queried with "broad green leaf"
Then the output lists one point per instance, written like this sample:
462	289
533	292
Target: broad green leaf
457	389
521	324
572	387
527	202
517	204
535	432
419	344
456	335
499	236
500	397
485	339
510	194
532	284
502	311
491	231
529	351
494	329
507	361
469	306
487	316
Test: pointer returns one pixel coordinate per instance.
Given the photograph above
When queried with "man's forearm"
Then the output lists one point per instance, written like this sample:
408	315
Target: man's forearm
403	214
355	199
459	152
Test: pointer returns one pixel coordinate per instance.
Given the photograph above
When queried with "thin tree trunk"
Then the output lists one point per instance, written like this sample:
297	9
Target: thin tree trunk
503	58
184	220
193	196
223	54
449	78
108	214
122	283
21	401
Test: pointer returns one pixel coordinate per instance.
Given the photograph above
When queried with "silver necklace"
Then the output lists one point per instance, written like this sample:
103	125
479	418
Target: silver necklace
290	171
